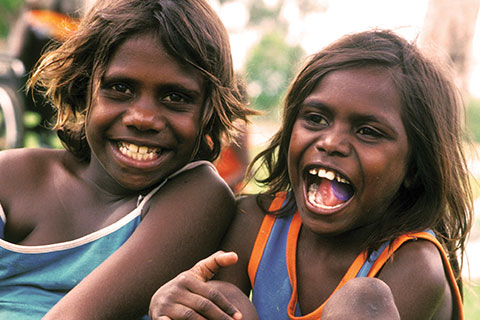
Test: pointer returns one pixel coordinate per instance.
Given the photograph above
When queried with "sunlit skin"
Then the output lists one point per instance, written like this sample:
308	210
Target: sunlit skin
146	98
350	124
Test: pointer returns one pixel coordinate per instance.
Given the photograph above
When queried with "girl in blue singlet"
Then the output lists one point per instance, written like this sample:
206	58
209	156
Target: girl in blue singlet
144	92
368	202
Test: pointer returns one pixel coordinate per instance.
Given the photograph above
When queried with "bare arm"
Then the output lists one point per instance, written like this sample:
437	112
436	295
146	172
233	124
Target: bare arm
192	296
417	280
184	224
240	238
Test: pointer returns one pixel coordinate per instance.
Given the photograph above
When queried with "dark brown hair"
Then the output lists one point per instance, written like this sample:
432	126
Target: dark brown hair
438	195
189	30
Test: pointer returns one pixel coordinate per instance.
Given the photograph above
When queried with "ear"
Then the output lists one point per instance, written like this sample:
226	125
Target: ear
407	183
409	180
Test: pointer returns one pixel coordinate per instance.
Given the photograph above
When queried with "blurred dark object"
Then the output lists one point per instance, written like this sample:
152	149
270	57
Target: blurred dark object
40	23
11	107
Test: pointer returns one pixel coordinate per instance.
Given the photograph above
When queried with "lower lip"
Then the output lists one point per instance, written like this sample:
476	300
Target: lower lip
140	164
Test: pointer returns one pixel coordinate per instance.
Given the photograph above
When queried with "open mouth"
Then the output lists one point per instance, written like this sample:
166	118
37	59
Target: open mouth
140	153
327	189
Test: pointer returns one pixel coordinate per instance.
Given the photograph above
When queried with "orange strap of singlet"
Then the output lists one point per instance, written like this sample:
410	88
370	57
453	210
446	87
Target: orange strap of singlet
387	253
262	237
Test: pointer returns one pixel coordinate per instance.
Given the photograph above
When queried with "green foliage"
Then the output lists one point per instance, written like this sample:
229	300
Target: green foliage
259	12
306	6
33	137
471	299
473	119
269	69
10	5
8	10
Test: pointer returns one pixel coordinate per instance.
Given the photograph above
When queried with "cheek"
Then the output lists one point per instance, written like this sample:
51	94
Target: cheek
100	112
293	157
186	129
387	173
96	121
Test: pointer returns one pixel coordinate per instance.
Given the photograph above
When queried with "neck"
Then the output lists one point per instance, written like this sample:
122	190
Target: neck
96	181
346	243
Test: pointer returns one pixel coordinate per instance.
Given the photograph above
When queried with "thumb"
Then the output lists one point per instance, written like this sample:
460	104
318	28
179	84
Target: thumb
205	269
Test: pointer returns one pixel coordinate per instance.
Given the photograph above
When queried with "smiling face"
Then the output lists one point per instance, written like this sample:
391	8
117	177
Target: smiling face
348	150
144	121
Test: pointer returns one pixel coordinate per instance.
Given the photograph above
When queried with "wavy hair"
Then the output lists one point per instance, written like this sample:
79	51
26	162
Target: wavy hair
438	194
189	30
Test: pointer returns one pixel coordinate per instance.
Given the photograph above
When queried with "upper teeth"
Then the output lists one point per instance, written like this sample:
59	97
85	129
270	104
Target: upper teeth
138	152
327	174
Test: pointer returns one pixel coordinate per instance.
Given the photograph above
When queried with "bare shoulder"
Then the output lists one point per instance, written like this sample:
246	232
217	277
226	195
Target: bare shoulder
29	167
197	200
247	222
29	159
200	188
19	157
416	276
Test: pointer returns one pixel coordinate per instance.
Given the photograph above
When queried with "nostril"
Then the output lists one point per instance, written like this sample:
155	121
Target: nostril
334	145
143	120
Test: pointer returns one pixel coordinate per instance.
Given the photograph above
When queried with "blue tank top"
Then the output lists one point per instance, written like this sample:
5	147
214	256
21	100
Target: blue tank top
34	278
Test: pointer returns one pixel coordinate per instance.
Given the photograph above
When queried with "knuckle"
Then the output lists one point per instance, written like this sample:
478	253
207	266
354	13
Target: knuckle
188	314
182	278
204	305
213	294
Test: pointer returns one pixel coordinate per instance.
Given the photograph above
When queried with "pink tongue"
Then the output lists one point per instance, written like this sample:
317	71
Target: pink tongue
325	194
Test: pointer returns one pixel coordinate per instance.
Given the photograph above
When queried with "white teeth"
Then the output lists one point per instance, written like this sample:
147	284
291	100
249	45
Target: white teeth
138	152
132	147
322	173
327	174
341	180
330	175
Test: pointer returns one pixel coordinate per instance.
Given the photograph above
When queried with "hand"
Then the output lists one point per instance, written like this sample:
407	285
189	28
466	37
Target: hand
190	296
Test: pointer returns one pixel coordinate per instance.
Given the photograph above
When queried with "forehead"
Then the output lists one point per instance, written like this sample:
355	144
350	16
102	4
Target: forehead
144	56
364	88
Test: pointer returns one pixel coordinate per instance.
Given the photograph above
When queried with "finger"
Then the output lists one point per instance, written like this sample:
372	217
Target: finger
210	300
180	313
206	298
208	267
174	304
187	297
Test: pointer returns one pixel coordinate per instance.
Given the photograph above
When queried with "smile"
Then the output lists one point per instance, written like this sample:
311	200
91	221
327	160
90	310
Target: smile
141	153
327	189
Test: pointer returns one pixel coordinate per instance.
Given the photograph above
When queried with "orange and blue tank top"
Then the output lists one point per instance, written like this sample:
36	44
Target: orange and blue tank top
272	266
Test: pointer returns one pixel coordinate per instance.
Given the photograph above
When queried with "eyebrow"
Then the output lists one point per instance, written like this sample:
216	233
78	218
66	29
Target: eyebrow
167	86
355	117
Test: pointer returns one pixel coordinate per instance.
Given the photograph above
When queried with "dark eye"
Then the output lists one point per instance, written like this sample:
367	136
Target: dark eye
316	118
121	88
370	132
174	97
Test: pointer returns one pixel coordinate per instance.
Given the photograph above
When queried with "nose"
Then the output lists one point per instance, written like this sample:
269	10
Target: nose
334	141
144	115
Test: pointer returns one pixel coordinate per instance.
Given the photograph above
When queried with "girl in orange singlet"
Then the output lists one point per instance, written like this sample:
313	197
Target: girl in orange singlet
368	202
